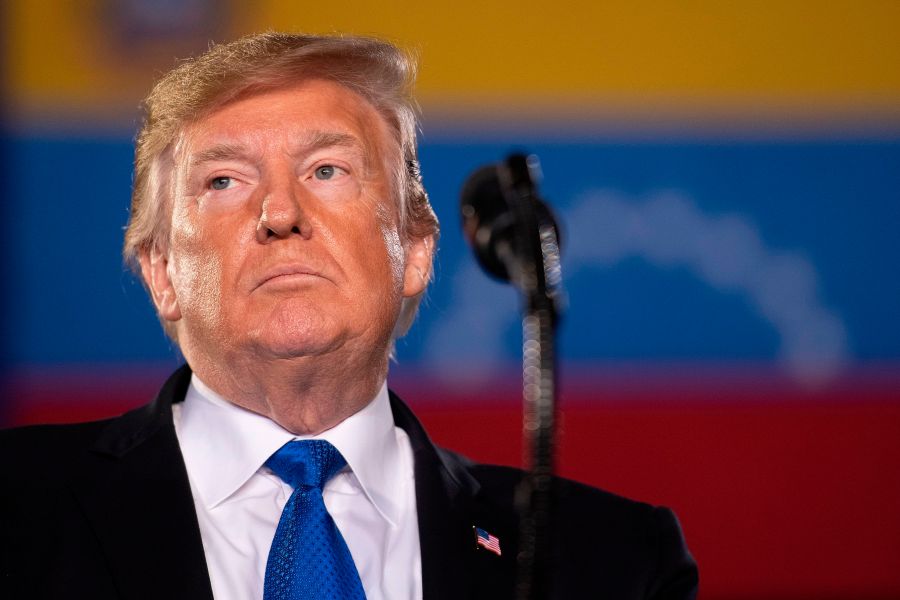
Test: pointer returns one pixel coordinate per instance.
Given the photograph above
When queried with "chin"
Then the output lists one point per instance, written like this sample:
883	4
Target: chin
289	334
296	342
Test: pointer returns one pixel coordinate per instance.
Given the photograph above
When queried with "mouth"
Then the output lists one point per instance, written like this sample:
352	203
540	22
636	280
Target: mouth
287	275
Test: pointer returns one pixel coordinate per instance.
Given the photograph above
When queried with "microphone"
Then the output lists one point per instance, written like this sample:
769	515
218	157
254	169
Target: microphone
507	223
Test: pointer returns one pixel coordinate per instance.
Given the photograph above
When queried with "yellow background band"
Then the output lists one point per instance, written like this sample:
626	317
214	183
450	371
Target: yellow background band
843	55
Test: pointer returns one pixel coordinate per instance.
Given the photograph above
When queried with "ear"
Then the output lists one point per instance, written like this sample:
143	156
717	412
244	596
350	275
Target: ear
155	271
419	254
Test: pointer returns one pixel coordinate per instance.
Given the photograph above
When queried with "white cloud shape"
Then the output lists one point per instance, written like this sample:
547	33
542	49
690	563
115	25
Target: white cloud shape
669	231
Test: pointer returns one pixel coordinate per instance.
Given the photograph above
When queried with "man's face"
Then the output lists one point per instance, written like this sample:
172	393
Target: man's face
284	238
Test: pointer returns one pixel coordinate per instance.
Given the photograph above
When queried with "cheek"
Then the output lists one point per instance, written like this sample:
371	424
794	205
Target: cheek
395	252
196	273
386	222
198	285
367	241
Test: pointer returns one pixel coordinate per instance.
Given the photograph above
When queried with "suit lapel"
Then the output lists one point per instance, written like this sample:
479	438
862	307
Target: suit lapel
137	497
449	504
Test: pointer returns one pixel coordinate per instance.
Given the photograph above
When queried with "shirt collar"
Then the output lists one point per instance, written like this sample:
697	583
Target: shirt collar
224	445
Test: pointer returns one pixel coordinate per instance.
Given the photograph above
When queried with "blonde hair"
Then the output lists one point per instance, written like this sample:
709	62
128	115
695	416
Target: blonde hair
374	69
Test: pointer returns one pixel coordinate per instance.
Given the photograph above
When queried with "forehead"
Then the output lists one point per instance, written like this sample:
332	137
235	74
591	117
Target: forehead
292	114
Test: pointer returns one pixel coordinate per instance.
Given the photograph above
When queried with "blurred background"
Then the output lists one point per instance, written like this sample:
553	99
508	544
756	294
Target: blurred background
728	178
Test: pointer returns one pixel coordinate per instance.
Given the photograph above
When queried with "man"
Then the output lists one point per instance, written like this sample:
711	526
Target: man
280	226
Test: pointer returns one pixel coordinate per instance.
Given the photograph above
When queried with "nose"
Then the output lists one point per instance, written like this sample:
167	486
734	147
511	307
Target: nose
282	213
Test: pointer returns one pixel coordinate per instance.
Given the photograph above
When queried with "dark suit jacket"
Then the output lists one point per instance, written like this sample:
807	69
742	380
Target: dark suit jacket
104	510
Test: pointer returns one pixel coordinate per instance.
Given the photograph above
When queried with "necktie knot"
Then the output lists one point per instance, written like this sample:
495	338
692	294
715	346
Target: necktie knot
306	463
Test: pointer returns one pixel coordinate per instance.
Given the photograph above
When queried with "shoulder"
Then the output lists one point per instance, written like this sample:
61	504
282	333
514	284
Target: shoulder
46	453
498	483
616	540
49	455
36	450
37	437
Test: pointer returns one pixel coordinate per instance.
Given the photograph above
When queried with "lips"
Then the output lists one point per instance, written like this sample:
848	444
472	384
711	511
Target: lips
284	272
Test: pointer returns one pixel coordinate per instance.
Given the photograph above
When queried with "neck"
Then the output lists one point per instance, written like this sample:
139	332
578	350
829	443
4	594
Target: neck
306	395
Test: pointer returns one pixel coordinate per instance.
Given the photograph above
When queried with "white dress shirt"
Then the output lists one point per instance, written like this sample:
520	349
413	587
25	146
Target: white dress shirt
239	501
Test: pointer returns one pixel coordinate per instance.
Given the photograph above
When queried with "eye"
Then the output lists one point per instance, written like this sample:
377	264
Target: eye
220	183
325	172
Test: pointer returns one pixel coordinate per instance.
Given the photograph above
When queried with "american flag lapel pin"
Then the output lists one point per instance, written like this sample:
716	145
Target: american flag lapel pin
485	540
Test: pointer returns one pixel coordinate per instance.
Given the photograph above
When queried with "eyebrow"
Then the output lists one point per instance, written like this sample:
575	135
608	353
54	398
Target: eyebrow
325	139
218	152
316	140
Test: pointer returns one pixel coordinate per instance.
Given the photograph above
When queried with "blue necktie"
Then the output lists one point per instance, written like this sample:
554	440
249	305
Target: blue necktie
309	559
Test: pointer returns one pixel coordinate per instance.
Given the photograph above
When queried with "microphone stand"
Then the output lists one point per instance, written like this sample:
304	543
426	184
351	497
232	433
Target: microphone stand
523	245
538	280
